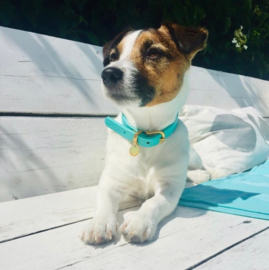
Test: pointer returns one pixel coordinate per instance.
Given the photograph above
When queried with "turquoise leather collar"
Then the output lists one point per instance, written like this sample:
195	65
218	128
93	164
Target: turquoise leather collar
143	139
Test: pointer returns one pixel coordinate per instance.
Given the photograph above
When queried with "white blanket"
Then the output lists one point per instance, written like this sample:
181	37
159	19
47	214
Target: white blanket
224	142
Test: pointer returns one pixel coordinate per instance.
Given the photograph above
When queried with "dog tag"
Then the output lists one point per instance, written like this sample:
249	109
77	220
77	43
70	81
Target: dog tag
134	150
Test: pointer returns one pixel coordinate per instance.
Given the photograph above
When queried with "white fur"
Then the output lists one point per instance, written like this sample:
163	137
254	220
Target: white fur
128	45
128	68
159	116
158	174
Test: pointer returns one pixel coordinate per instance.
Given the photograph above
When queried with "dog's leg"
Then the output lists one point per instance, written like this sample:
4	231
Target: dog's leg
141	225
103	227
198	176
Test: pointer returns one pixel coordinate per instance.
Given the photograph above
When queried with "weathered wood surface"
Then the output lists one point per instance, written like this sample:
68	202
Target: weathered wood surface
251	254
184	239
46	212
228	91
41	74
41	155
31	215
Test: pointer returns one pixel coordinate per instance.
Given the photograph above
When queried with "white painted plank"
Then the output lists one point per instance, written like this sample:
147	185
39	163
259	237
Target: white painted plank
48	211
41	74
228	91
42	155
43	212
251	255
185	238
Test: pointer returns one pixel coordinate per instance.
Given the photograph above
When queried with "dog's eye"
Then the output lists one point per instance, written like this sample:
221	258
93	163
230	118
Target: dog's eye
153	53
113	56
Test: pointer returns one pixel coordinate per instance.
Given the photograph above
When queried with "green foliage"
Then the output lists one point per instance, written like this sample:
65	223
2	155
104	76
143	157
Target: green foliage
96	22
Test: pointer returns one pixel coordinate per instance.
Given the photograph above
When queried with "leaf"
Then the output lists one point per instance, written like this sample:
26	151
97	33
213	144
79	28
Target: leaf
207	60
29	12
247	5
6	12
112	4
228	6
178	11
79	4
227	24
201	13
92	38
166	16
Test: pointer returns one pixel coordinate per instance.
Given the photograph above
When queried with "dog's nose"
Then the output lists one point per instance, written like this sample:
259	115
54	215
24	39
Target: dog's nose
111	76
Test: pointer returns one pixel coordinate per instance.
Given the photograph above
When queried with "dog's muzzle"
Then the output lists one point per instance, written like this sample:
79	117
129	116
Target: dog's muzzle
111	76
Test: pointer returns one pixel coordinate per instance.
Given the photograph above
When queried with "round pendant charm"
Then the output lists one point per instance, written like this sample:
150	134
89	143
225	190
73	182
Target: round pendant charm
134	150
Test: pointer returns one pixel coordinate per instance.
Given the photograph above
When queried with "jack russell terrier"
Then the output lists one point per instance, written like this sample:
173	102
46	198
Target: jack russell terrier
145	76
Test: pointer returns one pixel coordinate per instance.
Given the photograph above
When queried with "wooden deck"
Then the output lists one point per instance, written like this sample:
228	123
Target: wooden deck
43	233
51	150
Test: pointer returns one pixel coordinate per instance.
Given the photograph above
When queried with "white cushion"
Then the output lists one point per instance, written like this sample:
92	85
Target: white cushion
227	142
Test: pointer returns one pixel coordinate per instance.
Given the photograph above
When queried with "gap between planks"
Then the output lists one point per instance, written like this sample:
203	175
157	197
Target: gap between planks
132	205
55	115
226	249
254	253
185	238
183	230
42	213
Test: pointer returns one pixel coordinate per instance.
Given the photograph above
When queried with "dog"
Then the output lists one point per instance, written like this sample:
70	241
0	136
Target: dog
145	76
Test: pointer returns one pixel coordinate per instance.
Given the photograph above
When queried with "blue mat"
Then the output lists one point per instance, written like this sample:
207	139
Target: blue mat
244	194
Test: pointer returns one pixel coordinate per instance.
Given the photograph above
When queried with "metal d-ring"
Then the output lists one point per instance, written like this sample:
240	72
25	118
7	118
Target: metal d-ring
157	132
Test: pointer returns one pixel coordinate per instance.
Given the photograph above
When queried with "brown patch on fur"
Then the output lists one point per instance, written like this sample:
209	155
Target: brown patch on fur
166	72
189	40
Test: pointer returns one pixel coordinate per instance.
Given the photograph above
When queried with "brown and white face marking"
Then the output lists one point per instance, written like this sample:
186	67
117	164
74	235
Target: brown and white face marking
147	67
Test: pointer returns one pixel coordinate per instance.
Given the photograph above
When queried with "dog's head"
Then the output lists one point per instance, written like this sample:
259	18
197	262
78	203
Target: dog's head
146	67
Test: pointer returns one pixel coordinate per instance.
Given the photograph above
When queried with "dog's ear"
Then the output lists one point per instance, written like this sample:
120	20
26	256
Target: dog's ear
113	44
189	40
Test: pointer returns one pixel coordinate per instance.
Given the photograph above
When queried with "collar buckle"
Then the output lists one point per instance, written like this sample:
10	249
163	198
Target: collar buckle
134	150
161	140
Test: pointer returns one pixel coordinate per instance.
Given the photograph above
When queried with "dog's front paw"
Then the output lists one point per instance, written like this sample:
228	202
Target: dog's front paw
100	230
138	228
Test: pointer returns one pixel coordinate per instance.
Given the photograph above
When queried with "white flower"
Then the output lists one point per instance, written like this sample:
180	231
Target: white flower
234	40
245	47
237	45
241	27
